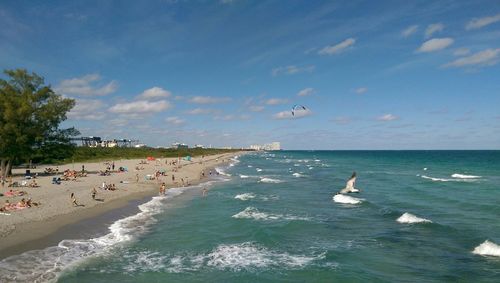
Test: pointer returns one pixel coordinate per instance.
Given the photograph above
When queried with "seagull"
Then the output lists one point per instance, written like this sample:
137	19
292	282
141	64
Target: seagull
349	187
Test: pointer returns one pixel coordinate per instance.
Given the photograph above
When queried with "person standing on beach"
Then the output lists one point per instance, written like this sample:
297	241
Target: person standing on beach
94	193
205	192
162	189
83	168
173	178
73	200
113	166
137	178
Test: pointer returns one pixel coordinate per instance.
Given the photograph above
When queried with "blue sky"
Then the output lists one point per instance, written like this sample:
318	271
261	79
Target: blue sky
372	74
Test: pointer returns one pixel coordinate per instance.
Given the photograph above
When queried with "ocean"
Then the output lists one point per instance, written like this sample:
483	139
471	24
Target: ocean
421	216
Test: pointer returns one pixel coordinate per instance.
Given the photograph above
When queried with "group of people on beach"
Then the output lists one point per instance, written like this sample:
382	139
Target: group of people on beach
22	204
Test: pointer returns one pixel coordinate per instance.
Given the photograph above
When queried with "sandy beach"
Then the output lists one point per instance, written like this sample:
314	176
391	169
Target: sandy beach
21	227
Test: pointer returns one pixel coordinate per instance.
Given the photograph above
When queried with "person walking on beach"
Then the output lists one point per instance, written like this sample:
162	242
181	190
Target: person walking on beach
73	200
94	193
137	178
83	168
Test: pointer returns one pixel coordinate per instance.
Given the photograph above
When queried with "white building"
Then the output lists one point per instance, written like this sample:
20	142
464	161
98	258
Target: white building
268	146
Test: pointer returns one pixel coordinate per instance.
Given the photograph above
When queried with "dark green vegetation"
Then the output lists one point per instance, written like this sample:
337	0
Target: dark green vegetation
30	114
102	153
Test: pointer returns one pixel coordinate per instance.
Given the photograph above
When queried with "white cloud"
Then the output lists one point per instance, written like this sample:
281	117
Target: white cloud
306	92
202	111
387	117
276	101
433	28
256	108
461	51
481	22
155	92
488	57
87	109
409	31
208	99
83	86
435	44
335	49
175	120
292	70
361	90
140	107
288	114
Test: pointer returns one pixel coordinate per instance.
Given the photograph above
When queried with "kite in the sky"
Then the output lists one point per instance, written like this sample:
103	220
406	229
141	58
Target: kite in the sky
296	106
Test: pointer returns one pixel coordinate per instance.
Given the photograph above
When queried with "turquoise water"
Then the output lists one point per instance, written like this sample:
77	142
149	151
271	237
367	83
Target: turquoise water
274	220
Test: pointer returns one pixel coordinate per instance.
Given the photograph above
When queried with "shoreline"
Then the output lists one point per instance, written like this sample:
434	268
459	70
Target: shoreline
49	231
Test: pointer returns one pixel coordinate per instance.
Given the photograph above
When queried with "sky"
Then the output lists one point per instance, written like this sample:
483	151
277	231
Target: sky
371	74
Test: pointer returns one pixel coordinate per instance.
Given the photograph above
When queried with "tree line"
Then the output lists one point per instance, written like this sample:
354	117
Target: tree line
30	115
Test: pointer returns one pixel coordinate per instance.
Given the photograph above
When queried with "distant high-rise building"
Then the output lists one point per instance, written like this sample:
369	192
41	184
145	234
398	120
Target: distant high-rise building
268	146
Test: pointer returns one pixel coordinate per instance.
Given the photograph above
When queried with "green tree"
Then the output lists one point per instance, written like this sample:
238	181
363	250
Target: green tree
30	114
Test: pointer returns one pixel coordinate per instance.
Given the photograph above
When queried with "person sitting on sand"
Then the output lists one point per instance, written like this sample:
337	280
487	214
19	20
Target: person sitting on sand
22	203
33	184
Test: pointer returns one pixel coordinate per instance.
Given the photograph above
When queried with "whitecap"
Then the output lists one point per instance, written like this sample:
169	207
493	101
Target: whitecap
254	213
222	172
245	196
258	169
410	218
446	180
270	180
243	176
249	166
298	175
487	248
462	176
340	198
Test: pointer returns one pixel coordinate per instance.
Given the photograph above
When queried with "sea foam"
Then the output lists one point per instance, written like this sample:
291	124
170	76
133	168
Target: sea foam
410	218
46	264
462	176
254	213
270	180
340	198
245	196
487	248
236	257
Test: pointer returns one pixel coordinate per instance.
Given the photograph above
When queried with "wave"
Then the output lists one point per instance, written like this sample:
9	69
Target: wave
243	176
298	175
222	172
47	264
245	256
258	169
410	218
446	180
270	180
487	248
249	166
461	176
254	213
340	198
245	196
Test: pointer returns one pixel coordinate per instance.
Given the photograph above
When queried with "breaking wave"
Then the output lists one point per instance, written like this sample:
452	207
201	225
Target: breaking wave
410	218
254	213
487	248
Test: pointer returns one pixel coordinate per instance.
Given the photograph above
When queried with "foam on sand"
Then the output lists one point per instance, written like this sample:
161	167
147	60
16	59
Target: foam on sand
270	180
340	198
255	214
410	219
487	249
